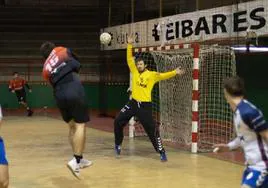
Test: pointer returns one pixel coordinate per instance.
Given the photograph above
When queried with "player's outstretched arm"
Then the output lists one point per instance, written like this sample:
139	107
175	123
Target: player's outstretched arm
130	59
234	144
168	75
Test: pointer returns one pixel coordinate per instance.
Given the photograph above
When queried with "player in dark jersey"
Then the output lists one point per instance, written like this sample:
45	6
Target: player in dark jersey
17	85
61	71
4	177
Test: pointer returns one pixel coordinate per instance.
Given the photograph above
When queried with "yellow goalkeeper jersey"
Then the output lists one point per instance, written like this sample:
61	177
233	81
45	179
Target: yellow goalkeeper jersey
143	83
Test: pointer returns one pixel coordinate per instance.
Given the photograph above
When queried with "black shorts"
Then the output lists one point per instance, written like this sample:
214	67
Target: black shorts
21	95
72	102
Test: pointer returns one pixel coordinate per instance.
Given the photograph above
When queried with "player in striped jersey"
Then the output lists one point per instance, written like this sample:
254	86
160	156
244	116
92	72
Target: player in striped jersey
252	134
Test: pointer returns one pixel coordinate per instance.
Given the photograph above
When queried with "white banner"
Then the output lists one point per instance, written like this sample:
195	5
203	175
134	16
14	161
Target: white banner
223	22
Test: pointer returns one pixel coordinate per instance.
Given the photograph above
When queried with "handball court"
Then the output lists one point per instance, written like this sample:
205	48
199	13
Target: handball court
38	150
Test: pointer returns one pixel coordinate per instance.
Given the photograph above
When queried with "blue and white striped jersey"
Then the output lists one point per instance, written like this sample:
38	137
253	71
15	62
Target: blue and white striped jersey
249	122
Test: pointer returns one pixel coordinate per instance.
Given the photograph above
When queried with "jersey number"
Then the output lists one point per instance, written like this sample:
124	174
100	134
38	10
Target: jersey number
52	62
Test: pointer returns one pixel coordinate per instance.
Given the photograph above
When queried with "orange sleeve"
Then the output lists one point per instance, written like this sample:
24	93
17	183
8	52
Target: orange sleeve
45	74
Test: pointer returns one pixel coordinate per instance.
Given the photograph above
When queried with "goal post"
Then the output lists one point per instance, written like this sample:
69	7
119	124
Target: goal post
190	110
195	97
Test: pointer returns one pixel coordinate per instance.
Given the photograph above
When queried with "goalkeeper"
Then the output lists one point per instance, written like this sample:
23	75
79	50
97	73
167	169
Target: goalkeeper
140	105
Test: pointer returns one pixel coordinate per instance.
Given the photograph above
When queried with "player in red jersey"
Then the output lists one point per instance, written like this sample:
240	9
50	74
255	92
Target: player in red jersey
61	71
17	85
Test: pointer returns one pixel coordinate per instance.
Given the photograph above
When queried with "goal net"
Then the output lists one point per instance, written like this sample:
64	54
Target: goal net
191	110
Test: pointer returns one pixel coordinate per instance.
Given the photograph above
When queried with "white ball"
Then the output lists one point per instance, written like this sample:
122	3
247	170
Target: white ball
105	38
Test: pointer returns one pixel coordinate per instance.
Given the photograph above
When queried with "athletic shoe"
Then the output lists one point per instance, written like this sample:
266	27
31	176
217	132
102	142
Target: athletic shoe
85	163
163	157
30	113
117	150
74	167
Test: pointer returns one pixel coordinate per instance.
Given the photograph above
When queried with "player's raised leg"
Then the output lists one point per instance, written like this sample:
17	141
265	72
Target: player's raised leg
78	142
71	133
120	122
76	115
79	138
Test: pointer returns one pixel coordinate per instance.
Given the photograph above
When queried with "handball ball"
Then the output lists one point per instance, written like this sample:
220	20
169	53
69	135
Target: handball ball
105	38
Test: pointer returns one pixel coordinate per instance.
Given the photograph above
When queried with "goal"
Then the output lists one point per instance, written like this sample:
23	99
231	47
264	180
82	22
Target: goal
190	110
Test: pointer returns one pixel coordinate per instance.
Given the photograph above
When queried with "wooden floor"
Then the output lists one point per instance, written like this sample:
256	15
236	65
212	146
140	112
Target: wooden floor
38	151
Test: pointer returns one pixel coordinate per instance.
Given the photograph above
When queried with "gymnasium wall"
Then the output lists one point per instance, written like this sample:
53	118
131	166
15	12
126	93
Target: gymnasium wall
103	96
253	68
149	9
115	96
